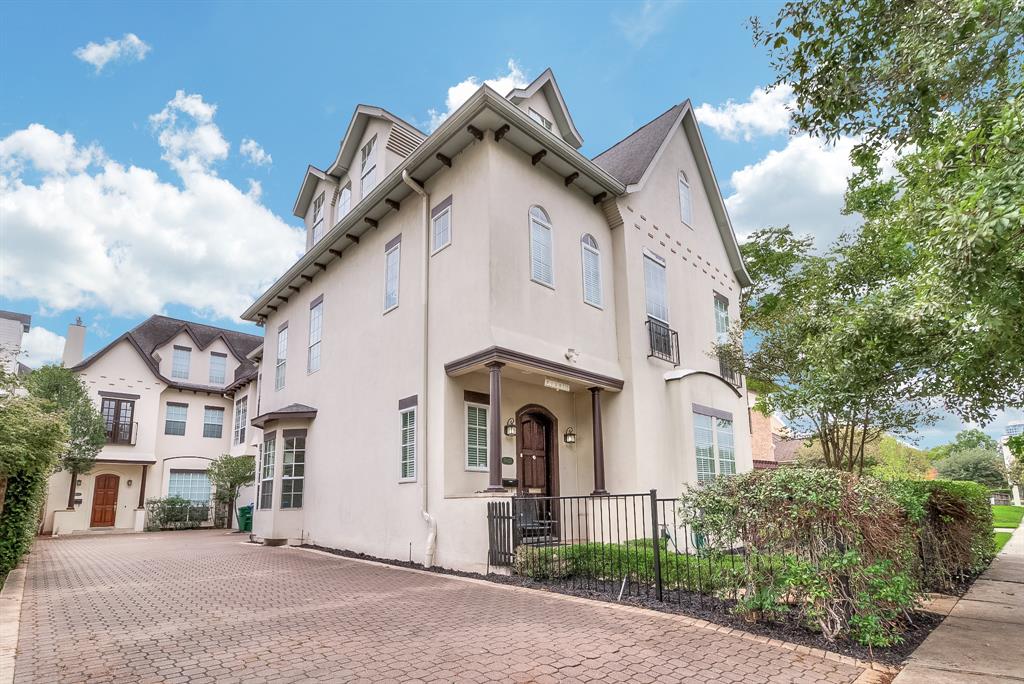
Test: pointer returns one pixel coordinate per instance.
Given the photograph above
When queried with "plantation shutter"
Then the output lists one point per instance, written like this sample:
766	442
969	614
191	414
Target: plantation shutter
655	286
407	467
703	439
726	451
591	275
391	265
540	252
476	437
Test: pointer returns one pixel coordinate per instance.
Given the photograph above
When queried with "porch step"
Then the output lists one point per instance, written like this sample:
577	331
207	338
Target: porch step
105	530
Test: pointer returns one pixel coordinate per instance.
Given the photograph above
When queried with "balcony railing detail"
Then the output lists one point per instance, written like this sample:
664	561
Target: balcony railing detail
664	341
122	433
729	374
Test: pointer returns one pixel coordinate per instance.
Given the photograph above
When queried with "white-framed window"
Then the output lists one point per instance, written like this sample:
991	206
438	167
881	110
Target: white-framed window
713	439
213	421
293	470
282	357
180	362
344	203
685	200
541	119
721	319
541	254
368	166
591	259
441	225
316	327
318	218
655	287
218	368
174	419
267	473
392	266
241	419
476	436
191	485
407	455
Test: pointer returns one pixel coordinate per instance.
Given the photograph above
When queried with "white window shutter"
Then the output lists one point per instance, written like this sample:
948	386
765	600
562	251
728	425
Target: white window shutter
540	253
591	276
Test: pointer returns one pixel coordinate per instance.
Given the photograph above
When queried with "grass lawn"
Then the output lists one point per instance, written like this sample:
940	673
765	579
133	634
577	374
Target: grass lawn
1000	540
1007	516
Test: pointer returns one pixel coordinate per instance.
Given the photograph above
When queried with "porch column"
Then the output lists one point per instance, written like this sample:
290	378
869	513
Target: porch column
142	487
595	404
494	436
71	490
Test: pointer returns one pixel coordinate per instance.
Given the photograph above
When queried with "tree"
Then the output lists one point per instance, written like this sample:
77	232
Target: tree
229	474
938	86
66	393
965	440
1015	471
977	465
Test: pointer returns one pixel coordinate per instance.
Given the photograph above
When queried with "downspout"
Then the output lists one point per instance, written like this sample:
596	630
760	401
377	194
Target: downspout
431	545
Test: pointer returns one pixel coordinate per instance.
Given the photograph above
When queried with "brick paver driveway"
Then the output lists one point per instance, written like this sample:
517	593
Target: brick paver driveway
203	607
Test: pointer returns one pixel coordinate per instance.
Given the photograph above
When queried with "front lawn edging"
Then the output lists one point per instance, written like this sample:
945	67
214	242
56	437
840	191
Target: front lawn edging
10	620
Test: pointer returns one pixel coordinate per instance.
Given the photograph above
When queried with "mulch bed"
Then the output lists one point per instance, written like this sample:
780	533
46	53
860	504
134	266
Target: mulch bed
710	609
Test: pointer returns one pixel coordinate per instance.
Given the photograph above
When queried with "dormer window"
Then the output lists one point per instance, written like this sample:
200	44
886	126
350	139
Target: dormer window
541	119
344	203
318	218
180	362
368	166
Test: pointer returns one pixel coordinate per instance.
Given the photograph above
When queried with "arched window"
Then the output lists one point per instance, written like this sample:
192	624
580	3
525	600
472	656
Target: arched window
541	254
591	258
685	200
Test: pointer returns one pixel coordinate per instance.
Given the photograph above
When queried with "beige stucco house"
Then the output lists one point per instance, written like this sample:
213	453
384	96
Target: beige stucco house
485	311
175	395
13	327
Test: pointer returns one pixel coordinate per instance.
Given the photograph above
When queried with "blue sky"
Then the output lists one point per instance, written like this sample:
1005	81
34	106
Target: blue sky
127	165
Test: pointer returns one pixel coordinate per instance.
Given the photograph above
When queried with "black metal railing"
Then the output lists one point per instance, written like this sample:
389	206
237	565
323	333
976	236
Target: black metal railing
729	374
122	433
664	341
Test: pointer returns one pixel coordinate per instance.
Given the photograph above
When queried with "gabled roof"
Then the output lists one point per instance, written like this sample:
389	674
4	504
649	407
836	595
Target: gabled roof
356	126
632	159
156	331
291	411
309	182
546	84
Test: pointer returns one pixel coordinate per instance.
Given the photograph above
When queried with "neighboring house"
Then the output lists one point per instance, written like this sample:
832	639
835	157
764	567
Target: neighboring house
12	327
485	311
175	396
1013	429
770	442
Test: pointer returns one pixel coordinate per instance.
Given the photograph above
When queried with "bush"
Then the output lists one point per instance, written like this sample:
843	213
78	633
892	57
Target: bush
175	513
979	465
847	556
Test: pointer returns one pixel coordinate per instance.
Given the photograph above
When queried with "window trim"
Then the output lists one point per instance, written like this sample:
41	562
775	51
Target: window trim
286	435
365	169
716	417
219	355
657	261
192	471
313	305
338	203
546	123
395	245
188	362
271	438
318	217
402	479
281	362
549	225
184	423
487	437
445	207
682	182
220	425
113	432
596	251
241	415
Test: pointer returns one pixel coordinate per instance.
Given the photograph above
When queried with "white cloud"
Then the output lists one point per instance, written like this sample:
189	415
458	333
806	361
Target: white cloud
39	347
640	26
93	232
254	152
765	113
462	91
196	144
801	185
129	47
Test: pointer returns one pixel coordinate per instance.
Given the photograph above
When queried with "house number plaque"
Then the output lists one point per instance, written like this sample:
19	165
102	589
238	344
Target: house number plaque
507	460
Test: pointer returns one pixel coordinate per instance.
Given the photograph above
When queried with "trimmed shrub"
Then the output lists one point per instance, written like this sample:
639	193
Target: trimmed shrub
175	513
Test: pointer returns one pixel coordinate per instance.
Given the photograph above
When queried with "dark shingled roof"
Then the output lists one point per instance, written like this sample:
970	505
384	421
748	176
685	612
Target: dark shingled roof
289	411
156	331
629	158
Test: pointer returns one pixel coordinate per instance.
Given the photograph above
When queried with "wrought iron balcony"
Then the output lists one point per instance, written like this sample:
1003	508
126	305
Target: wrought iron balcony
122	433
664	341
729	374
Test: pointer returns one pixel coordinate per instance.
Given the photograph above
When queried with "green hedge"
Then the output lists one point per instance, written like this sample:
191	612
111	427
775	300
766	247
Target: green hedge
175	513
20	519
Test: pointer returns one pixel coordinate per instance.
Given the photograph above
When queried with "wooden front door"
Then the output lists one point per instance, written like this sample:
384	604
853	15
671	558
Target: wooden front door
534	455
104	501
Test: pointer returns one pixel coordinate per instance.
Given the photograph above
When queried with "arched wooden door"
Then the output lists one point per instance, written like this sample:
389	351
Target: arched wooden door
104	500
537	467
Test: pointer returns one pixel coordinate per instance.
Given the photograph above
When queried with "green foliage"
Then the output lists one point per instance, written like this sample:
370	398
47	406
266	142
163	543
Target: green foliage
1015	471
175	513
1007	516
999	540
975	465
228	474
20	517
66	393
964	440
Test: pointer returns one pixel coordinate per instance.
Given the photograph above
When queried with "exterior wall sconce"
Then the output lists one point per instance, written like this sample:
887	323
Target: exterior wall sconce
129	483
510	428
569	436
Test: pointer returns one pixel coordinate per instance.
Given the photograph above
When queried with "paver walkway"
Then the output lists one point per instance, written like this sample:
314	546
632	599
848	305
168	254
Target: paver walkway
982	639
203	607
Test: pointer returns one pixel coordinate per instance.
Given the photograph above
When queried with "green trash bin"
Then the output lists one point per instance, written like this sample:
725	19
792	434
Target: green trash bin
245	519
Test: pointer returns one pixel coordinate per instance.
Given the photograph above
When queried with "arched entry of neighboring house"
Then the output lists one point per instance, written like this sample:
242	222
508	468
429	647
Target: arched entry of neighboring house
536	451
104	500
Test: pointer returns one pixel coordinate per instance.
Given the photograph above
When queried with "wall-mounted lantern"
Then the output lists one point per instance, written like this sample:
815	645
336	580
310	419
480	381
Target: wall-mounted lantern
569	436
510	428
129	483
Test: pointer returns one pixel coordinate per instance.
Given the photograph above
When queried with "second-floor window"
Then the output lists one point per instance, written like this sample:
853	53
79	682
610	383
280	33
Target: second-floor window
174	423
316	327
218	368
441	225
282	356
213	421
655	287
318	218
118	415
368	166
541	253
721	319
241	419
180	362
392	265
591	271
685	200
541	119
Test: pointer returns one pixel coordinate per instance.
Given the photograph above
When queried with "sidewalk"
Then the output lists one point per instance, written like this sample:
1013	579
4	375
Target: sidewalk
980	640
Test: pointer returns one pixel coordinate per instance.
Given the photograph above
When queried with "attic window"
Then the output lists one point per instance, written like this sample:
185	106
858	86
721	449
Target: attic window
541	119
368	166
318	218
685	200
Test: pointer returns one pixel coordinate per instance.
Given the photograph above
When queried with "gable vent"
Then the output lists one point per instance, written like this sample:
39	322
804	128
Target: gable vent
402	142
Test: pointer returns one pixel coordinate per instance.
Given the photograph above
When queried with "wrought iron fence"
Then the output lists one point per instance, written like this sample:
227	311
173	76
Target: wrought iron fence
664	341
122	432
